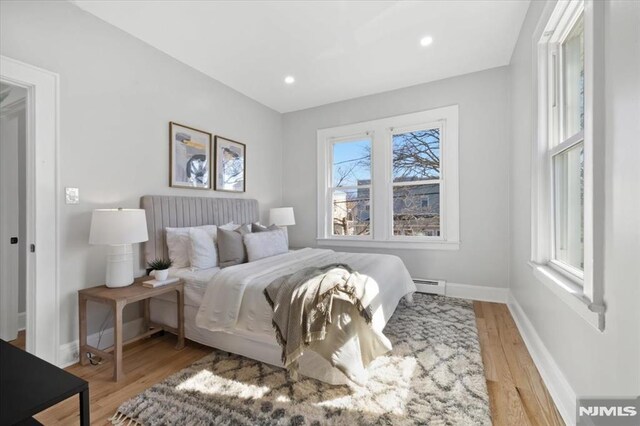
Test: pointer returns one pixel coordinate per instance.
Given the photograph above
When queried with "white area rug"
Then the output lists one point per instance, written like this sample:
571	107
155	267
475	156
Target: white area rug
433	375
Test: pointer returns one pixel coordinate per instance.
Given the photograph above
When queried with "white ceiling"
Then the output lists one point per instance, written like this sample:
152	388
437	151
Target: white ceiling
336	50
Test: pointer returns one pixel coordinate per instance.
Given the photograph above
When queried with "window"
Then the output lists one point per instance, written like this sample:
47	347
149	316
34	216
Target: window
566	145
351	184
416	182
391	182
565	255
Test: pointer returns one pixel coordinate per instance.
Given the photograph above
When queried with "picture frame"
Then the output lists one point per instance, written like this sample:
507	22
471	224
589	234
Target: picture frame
230	165
189	157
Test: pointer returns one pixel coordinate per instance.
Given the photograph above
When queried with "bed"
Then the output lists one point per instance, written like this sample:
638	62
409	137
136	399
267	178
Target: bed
238	317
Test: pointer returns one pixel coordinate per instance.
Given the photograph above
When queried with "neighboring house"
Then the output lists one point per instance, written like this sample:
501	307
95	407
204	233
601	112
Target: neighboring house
416	210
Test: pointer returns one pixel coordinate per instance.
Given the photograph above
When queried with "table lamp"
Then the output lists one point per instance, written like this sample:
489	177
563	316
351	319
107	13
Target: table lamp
282	217
118	228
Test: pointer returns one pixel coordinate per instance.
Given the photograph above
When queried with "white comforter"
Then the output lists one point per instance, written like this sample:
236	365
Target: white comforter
234	299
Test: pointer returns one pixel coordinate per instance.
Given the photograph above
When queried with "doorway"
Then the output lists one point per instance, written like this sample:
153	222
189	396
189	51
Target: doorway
13	205
42	210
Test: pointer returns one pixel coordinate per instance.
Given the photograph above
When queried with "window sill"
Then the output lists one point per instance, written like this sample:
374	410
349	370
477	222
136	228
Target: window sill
390	244
570	293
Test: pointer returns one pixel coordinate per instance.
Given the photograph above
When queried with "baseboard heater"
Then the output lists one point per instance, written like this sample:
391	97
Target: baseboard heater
430	286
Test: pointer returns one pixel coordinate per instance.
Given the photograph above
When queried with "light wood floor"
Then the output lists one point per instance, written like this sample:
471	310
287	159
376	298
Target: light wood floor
21	340
518	395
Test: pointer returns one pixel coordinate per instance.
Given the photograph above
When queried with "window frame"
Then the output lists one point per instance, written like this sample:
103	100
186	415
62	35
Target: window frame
440	125
381	211
348	139
583	292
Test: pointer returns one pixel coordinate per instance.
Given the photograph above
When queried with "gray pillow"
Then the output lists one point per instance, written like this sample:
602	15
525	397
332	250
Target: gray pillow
256	227
231	250
265	244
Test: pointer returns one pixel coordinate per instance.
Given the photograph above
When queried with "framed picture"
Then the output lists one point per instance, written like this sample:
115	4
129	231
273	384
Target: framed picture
189	157
230	160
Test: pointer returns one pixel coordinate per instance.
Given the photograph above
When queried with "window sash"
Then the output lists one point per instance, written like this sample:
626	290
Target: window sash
567	144
418	182
331	218
557	144
556	75
561	72
566	269
346	140
331	189
394	131
440	237
437	125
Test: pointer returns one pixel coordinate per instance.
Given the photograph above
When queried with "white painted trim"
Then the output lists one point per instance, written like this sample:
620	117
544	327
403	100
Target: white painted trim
16	106
68	354
570	293
22	321
42	322
389	244
559	388
477	292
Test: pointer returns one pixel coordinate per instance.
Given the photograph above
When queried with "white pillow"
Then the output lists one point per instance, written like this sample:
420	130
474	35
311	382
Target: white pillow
203	253
265	244
179	243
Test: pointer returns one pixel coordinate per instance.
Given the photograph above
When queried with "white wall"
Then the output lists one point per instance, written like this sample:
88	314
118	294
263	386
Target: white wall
594	363
482	98
117	96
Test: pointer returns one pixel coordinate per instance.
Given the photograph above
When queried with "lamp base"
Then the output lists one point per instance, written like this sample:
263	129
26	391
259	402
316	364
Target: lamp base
120	266
286	233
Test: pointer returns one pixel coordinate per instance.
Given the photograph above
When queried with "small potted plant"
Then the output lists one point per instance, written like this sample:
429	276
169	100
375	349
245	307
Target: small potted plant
160	268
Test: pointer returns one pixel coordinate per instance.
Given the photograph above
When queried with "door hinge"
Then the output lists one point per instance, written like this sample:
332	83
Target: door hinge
32	248
14	240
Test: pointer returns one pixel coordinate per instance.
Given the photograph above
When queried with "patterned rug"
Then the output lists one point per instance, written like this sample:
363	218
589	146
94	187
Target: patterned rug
433	375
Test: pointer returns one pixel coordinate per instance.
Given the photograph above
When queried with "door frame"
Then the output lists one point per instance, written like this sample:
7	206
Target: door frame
42	111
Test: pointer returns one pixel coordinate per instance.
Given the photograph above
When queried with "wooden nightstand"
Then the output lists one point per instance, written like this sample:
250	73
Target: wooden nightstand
118	298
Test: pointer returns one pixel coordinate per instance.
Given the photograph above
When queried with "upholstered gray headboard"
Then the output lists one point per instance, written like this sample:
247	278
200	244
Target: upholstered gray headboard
177	212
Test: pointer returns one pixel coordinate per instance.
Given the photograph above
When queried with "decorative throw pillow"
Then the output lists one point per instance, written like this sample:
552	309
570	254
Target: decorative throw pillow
231	249
256	227
179	243
228	226
265	244
203	254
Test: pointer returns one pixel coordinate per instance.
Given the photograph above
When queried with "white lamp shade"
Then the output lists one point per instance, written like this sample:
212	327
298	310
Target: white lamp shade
118	226
282	216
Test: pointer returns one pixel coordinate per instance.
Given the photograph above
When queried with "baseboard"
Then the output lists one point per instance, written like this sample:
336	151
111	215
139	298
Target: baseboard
559	388
22	321
477	292
68	354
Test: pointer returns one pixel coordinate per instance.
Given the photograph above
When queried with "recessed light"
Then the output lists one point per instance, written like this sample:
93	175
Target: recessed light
289	79
425	41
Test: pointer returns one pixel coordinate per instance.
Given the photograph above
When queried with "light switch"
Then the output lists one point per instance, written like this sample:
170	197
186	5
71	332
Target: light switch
72	195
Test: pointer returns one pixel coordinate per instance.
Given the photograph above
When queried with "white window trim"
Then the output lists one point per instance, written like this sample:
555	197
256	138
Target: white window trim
381	210
582	294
